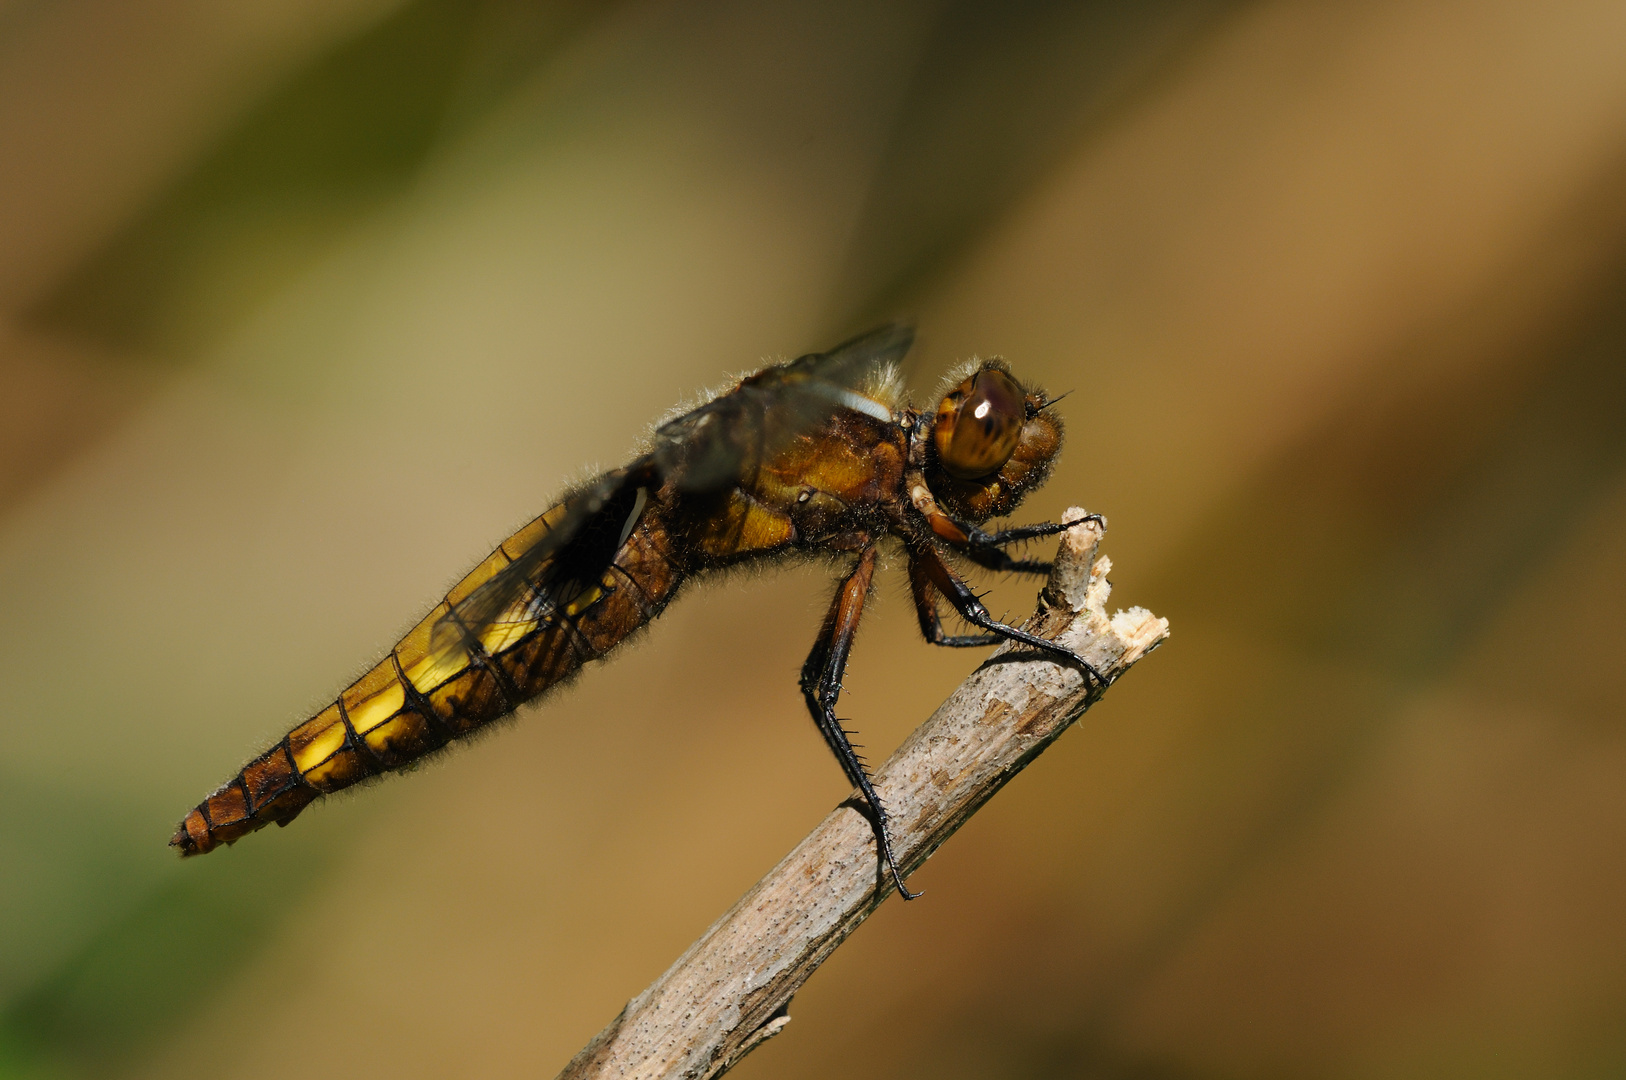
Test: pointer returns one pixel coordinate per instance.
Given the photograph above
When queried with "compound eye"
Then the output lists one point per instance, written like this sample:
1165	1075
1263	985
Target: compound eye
978	424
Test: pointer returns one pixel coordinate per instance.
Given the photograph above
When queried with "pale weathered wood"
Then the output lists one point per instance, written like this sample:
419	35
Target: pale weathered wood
729	991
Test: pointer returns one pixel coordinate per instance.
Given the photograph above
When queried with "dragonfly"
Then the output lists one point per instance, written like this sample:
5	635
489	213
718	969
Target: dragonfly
819	456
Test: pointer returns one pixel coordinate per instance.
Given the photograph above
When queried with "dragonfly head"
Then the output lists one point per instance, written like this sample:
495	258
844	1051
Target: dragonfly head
992	441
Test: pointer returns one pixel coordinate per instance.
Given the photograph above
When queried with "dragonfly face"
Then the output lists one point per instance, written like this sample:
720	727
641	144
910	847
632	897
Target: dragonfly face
821	454
993	441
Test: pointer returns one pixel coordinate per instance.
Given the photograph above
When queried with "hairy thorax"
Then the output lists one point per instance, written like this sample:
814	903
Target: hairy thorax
844	480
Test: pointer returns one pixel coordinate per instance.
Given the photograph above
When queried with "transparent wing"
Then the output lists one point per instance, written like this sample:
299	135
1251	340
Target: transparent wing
552	573
709	449
718	444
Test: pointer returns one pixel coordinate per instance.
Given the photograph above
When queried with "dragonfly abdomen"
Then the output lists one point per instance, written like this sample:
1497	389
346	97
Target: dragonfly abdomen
421	697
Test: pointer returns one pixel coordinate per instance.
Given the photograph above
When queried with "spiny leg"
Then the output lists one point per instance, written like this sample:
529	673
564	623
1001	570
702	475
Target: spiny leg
985	548
964	601
931	623
821	686
1038	529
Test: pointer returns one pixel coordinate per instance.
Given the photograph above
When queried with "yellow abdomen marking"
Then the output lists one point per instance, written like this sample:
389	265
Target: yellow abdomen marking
319	749
505	635
369	712
433	671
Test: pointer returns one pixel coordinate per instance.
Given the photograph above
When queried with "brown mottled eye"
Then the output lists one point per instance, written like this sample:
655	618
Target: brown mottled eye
978	424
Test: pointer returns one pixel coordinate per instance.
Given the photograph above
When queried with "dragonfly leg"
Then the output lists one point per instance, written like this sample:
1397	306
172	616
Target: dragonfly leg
931	622
821	686
986	549
964	601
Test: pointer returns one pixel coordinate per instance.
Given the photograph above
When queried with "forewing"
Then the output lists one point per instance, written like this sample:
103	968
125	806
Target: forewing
716	445
549	575
850	364
708	449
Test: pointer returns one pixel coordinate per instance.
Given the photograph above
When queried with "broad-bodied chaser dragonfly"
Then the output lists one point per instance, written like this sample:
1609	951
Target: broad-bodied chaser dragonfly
821	455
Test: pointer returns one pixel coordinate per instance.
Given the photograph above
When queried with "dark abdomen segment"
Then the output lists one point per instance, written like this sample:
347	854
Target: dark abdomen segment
415	702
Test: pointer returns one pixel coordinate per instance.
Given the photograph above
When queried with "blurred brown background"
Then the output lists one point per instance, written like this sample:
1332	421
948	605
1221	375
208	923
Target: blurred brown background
305	304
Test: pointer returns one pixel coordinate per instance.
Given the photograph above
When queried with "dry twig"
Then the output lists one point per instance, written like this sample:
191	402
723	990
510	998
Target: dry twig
729	992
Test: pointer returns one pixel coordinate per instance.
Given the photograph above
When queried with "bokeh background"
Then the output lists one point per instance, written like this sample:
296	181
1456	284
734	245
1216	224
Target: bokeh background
305	303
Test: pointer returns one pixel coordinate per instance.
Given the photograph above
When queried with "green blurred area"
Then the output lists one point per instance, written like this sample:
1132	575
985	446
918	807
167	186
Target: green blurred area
1339	293
132	984
272	195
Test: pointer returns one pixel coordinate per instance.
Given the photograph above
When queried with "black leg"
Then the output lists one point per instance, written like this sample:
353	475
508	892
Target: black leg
931	623
964	601
821	686
984	548
1042	528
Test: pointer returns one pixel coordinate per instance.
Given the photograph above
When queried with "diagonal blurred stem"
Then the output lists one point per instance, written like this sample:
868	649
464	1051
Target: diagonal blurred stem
730	991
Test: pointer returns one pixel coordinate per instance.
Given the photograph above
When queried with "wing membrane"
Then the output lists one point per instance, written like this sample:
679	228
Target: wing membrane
718	444
545	579
706	450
